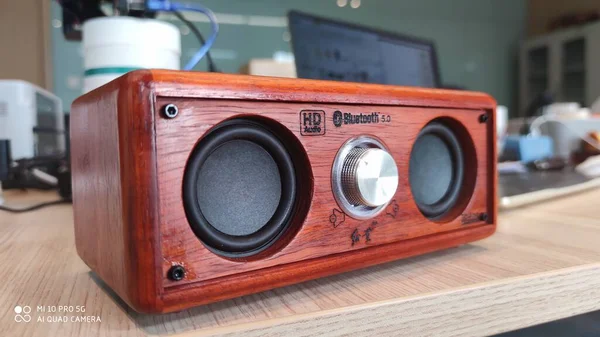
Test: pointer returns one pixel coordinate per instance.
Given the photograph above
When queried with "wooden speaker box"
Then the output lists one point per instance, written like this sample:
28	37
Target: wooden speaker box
191	188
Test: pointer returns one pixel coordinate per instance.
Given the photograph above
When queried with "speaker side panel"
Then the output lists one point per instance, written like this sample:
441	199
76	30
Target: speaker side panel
400	231
115	188
97	201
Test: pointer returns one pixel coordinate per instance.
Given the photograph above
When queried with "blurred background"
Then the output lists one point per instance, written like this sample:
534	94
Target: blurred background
477	41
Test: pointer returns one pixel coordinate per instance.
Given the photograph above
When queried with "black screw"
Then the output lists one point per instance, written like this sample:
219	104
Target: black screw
170	111
483	217
176	273
483	118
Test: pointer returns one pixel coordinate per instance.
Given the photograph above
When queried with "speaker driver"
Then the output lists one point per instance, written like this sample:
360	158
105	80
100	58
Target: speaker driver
239	188
436	170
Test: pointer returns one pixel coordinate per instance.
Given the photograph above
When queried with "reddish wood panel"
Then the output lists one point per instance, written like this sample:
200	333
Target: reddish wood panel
97	203
127	170
264	279
317	237
114	188
255	88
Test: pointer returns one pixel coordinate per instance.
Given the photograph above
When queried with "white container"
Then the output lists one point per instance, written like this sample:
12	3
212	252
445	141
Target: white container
115	45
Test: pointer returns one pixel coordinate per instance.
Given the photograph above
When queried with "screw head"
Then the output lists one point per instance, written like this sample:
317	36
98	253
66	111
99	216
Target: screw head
483	216
483	118
176	273
170	111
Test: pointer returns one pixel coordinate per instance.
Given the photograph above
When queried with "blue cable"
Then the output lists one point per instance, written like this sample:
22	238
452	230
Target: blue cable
168	6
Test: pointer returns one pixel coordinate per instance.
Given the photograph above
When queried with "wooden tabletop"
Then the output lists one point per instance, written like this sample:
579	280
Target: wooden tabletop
543	264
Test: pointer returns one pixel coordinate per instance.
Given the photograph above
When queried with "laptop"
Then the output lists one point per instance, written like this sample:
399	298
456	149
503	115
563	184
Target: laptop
333	50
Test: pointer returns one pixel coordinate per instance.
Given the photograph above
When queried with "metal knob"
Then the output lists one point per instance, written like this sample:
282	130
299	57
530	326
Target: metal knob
364	177
369	177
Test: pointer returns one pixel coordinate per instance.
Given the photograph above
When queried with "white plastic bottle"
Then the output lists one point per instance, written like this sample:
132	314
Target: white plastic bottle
115	45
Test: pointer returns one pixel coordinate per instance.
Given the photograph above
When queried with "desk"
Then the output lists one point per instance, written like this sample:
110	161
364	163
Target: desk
543	264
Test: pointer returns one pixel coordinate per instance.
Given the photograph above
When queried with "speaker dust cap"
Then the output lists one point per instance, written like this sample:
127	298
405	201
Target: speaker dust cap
436	170
239	188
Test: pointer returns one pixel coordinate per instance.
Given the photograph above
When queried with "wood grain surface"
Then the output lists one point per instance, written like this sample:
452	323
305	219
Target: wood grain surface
542	264
231	86
317	237
133	165
115	189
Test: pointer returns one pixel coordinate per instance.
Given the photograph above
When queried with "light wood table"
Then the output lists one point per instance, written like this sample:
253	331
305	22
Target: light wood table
543	264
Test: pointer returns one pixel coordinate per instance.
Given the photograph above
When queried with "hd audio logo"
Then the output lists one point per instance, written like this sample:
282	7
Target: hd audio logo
312	122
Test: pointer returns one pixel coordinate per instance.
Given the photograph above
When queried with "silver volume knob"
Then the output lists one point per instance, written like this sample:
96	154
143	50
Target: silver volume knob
369	177
365	177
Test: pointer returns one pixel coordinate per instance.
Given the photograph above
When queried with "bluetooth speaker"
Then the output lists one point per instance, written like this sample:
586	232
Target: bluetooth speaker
191	188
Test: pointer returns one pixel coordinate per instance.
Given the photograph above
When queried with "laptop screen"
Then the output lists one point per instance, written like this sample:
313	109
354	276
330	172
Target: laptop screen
330	50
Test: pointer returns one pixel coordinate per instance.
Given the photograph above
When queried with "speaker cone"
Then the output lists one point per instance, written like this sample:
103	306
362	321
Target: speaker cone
436	170
239	188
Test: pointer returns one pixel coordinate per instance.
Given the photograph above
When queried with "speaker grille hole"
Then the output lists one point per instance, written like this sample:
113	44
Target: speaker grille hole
437	168
432	183
239	188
